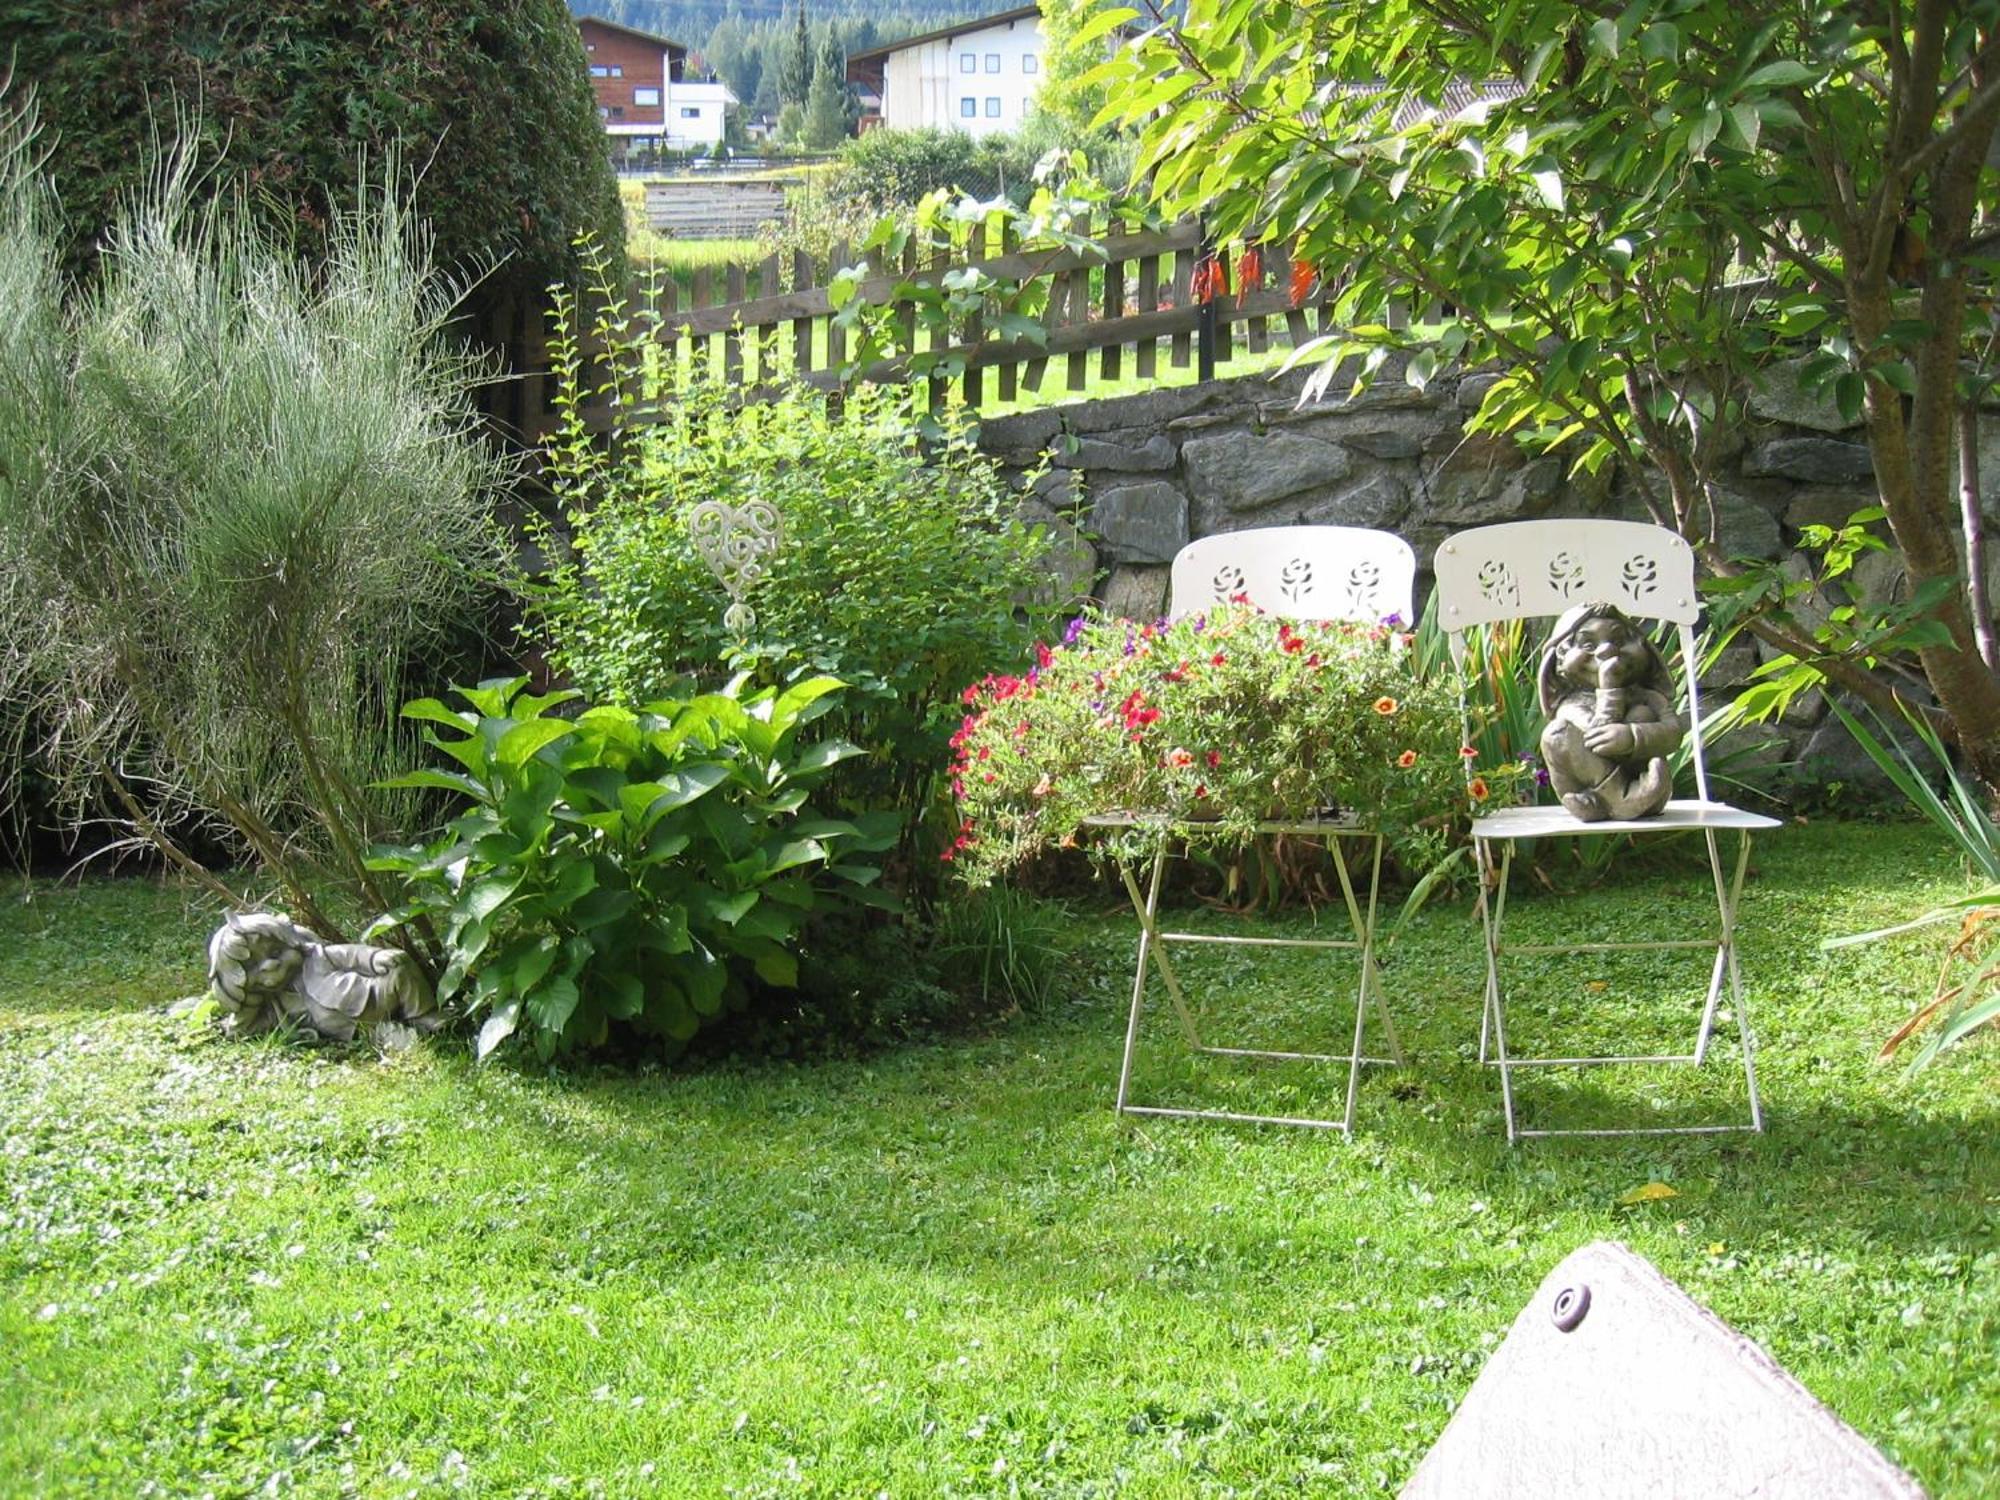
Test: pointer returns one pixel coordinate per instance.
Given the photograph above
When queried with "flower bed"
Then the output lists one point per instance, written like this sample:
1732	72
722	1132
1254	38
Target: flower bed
1214	722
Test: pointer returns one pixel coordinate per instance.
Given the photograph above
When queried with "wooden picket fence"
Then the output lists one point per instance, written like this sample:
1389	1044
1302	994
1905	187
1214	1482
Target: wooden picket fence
1131	308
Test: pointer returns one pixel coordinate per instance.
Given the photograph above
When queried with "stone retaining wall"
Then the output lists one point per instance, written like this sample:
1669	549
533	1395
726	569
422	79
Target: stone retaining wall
1136	478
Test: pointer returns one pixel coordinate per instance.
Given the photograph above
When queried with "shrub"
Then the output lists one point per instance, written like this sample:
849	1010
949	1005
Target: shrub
489	98
644	869
1228	719
901	572
237	499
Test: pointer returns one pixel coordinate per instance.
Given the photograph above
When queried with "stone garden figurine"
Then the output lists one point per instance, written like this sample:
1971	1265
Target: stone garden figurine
264	971
1612	725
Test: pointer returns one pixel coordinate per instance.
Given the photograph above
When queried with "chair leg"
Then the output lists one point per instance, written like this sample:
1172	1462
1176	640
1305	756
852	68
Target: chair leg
1146	908
1493	1019
1728	893
1155	952
1368	989
1736	996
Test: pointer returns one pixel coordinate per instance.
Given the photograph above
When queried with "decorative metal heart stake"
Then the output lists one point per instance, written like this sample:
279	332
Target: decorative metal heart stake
736	542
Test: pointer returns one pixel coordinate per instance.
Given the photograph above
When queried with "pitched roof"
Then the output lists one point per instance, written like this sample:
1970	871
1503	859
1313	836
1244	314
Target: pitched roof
945	33
668	43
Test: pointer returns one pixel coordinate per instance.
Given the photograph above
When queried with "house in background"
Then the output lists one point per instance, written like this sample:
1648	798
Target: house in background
977	76
646	95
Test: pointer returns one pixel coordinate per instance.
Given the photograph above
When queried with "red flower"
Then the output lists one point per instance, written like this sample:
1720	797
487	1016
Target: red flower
1214	759
1202	790
1249	273
1217	660
1407	759
1386	706
1210	280
1043	655
1479	789
1303	277
1178	757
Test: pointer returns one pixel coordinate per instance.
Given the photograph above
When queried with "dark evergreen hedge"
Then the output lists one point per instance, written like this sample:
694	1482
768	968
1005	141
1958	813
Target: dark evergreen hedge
488	98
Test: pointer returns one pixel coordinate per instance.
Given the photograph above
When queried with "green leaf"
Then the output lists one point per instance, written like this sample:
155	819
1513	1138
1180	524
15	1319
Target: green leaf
1661	42
624	994
1781	74
1704	130
523	740
790	709
1602	39
600	908
554	1002
435	712
449	781
826	753
1102	24
1548	184
704	978
797	852
1849	391
777	967
489	894
1743	123
498	1027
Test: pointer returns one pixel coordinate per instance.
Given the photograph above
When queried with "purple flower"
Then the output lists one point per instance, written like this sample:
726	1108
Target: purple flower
1394	619
1541	778
1200	624
1097	705
1074	629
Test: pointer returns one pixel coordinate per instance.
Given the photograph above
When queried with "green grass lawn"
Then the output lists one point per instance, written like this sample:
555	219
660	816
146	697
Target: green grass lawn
947	1270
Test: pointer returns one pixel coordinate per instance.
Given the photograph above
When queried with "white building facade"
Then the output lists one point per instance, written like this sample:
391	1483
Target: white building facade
979	76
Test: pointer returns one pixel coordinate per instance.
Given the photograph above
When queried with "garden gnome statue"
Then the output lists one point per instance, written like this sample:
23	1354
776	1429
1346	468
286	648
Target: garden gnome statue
1610	706
264	971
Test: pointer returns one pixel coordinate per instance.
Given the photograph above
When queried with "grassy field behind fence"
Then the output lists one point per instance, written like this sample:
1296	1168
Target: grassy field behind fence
948	1270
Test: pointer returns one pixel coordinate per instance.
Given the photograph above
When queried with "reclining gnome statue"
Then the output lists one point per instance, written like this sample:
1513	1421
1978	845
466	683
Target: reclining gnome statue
1610	705
264	972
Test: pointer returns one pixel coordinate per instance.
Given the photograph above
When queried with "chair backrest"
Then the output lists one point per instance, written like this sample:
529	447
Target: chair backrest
1529	569
1299	572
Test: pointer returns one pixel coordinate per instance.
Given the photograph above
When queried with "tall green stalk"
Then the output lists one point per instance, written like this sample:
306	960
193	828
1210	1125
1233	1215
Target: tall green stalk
240	498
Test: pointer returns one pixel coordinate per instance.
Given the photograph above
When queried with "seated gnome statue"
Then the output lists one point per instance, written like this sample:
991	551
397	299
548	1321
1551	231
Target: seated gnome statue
1612	725
264	971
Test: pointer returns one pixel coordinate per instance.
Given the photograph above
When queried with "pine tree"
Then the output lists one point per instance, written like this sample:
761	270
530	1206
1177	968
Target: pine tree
795	63
826	112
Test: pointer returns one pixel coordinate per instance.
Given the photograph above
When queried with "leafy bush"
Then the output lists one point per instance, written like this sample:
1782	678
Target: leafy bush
1229	718
238	498
893	169
488	97
626	868
901	572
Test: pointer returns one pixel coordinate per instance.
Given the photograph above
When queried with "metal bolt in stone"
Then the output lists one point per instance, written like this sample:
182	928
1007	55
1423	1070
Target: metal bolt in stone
1570	1307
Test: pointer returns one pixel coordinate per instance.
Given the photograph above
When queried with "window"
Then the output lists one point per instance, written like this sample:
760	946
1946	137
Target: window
967	63
992	62
1030	63
598	70
617	113
992	108
969	108
646	97
690	111
603	113
617	71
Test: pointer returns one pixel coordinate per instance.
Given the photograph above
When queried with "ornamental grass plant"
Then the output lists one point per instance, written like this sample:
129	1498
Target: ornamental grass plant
1212	723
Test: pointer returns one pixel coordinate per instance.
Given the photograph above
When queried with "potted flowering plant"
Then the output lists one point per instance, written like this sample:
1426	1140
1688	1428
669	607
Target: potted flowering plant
1222	720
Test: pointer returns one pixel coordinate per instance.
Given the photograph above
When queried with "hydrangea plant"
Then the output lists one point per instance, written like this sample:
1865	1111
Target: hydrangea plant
1218	721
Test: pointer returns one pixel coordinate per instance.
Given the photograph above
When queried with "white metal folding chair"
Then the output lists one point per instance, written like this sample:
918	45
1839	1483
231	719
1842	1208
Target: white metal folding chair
1529	569
1301	573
